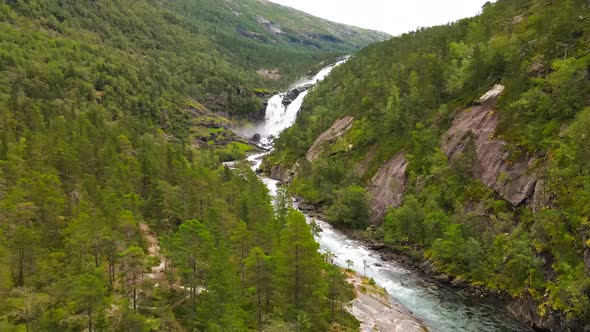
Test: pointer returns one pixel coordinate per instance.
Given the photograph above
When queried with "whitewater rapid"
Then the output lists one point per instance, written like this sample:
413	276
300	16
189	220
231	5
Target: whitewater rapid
441	308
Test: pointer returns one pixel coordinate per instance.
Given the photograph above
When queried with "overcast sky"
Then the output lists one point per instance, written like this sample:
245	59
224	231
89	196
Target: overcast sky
392	16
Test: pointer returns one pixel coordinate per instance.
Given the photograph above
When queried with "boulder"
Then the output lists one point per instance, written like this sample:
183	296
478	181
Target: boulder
292	94
284	175
277	173
306	207
442	278
240	91
255	138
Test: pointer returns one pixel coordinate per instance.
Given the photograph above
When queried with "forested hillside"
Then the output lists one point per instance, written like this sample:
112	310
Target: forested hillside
491	192
110	143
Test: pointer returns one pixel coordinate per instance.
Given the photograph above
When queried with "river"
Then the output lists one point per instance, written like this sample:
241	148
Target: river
439	307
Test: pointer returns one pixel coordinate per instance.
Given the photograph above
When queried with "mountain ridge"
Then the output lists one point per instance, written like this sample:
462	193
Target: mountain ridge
300	19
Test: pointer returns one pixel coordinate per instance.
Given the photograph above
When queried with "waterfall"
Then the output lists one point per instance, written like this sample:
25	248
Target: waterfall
279	117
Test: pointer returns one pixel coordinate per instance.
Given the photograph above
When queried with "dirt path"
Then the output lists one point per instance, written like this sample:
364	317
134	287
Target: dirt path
376	312
158	272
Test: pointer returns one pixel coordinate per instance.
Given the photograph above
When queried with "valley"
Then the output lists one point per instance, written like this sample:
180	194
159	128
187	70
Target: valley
240	165
418	299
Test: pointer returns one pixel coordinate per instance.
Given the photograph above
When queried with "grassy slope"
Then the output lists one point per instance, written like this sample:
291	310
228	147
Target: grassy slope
307	29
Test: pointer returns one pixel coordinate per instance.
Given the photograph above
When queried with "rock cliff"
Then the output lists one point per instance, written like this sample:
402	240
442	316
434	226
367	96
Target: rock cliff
339	128
387	187
512	180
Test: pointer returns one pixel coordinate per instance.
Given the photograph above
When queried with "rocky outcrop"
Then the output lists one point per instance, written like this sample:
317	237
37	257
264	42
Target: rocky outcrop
270	26
269	74
377	311
491	95
513	180
279	173
387	187
294	93
338	129
526	308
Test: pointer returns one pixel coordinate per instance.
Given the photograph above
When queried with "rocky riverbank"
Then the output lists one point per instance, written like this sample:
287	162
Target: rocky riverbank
376	311
524	309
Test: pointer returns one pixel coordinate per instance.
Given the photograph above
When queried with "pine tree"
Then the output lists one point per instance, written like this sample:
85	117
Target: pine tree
259	281
89	292
132	273
299	268
191	248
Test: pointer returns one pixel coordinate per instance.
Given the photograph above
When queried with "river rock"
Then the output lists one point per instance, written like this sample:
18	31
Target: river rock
255	138
292	94
427	267
459	283
306	207
442	278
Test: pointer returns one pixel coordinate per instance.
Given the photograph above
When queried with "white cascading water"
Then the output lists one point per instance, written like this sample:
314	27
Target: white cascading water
279	117
440	308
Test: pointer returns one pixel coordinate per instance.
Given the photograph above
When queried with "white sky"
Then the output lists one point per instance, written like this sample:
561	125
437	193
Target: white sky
392	16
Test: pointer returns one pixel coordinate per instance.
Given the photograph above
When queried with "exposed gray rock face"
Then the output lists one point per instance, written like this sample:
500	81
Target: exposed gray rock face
283	175
272	27
294	93
526	309
338	129
277	173
377	313
512	180
492	94
387	187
